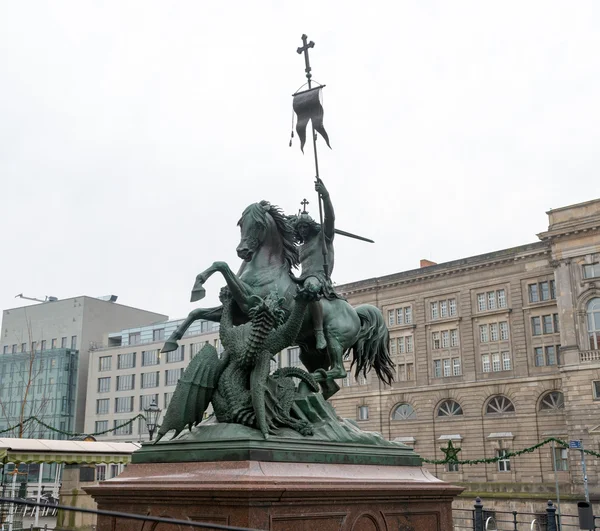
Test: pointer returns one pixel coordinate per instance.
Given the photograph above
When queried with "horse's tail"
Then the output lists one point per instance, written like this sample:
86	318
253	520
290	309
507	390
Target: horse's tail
371	348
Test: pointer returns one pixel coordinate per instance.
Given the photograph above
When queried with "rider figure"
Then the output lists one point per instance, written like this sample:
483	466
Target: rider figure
313	276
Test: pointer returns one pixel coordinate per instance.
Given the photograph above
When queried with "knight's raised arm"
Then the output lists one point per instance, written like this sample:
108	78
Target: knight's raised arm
329	214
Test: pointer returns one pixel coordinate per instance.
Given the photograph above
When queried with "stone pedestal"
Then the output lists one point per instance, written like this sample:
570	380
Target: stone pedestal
279	496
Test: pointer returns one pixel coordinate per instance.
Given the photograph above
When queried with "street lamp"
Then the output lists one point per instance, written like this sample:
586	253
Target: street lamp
152	414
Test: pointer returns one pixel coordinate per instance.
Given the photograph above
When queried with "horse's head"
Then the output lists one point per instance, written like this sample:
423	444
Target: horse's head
263	223
253	227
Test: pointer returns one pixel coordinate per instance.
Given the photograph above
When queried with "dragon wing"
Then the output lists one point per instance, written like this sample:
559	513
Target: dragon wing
193	392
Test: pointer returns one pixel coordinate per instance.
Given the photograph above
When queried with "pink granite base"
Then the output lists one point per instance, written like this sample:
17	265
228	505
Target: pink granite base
279	496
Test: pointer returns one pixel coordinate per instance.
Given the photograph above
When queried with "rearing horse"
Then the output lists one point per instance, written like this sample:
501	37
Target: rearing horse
268	249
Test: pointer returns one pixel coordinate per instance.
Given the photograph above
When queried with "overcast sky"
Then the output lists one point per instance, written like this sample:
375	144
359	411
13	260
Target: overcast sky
133	134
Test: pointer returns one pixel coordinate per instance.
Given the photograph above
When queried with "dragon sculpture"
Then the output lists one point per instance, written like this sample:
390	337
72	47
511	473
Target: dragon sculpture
238	384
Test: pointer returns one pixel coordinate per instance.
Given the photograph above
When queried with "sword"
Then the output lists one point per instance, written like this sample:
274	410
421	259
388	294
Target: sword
350	235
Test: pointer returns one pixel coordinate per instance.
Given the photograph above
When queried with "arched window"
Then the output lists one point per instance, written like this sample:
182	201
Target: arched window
449	408
593	315
498	405
552	401
404	412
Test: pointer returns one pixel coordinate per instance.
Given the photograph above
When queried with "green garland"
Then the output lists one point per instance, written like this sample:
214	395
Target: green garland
451	455
449	451
67	433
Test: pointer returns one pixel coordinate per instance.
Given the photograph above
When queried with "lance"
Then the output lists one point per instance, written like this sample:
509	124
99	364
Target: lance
304	50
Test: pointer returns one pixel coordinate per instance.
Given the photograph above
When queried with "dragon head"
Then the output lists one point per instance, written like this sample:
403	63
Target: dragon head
271	307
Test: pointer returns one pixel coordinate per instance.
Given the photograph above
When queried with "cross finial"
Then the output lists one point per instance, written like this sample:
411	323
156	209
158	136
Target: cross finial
304	202
304	49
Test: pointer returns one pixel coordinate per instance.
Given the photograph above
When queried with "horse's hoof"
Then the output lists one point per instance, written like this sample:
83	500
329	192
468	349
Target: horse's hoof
170	346
198	293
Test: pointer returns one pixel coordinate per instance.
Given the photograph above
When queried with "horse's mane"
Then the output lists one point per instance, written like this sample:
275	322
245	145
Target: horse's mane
258	212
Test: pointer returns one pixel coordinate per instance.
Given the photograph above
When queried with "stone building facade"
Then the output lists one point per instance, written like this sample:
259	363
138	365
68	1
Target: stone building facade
496	353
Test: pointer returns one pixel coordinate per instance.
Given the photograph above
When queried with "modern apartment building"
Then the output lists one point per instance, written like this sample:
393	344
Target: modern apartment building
495	353
129	372
42	385
60	329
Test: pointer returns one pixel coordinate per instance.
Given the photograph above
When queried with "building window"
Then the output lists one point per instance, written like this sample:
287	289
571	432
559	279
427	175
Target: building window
172	376
449	408
363	412
552	401
591	270
536	326
443	308
53	343
123	430
123	404
126	382
146	400
150	357
496	362
405	372
74	342
408	315
436	343
391	321
593	315
393	346
176	355
481	306
23	347
506	361
561	459
126	361
135	338
446	364
494	332
452	307
485	363
5	349
43	345
542	291
168	397
434	310
545	355
14	349
63	342
33	346
596	389
452	467
149	380
404	412
503	330
102	406
400	315
100	472
104	363
483	333
158	335
454	337
293	355
499	405
445	339
437	368
491	300
504	462
104	385
100	426
455	367
409	343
